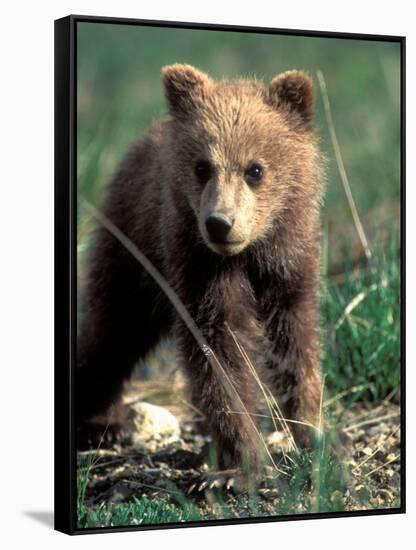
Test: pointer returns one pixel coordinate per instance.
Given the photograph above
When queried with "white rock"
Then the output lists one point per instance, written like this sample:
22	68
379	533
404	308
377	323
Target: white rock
155	427
278	442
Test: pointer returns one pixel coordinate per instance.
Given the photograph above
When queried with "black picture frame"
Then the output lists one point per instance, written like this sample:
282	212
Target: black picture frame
65	266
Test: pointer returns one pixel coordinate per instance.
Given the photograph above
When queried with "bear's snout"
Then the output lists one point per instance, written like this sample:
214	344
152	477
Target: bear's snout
218	225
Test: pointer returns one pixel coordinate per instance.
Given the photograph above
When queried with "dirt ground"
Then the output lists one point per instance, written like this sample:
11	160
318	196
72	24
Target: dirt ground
371	463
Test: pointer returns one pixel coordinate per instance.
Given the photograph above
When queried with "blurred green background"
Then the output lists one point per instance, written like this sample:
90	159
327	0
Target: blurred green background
120	95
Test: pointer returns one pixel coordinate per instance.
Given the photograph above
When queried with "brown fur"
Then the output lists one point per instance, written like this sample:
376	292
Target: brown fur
262	282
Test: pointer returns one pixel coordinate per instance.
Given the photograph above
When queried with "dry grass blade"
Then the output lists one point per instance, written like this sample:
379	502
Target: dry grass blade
96	456
186	317
291	421
341	167
357	300
149	486
271	401
321	407
191	406
344	393
371	421
247	415
393	459
116	459
368	413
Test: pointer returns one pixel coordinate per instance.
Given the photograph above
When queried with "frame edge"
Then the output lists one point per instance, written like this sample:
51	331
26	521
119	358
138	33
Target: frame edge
64	518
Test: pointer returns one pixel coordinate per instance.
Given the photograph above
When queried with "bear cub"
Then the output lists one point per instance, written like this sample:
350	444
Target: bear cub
223	197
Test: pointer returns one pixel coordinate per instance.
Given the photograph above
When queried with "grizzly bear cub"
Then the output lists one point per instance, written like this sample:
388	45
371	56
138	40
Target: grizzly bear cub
223	198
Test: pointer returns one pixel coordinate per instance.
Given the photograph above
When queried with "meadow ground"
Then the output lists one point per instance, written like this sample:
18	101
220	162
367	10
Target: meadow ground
356	466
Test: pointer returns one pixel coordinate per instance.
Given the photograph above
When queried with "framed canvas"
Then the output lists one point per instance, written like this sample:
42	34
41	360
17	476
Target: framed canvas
229	274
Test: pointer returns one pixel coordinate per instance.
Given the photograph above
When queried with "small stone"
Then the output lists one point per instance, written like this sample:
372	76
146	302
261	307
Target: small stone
367	451
269	494
278	442
156	427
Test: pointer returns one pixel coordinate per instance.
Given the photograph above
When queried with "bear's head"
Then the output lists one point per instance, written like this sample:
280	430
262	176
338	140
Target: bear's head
243	155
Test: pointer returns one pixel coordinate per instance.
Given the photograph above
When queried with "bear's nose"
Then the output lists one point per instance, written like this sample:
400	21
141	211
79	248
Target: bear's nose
218	226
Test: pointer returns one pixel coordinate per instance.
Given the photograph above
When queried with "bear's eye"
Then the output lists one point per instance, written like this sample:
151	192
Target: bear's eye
253	173
203	170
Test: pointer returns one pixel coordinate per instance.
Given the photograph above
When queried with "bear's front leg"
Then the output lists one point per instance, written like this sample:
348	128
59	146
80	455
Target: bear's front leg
293	364
222	386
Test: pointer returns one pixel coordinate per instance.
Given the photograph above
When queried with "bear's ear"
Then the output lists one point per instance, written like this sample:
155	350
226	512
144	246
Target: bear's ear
184	86
293	91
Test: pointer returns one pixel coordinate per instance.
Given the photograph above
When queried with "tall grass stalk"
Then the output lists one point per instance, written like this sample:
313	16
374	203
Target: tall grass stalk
340	163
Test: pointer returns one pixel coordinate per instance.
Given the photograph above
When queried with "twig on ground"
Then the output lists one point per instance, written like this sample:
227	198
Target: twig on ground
371	421
393	459
379	447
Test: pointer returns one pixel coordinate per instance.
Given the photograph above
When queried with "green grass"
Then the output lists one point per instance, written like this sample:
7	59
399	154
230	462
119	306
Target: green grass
361	335
143	511
139	511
